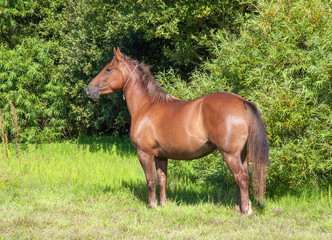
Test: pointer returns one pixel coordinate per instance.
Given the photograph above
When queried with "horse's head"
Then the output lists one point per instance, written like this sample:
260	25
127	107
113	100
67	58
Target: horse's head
113	77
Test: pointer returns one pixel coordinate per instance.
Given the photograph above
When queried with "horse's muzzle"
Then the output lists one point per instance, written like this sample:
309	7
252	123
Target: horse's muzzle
92	93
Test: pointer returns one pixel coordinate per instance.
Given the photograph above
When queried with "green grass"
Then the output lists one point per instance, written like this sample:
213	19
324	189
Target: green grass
94	188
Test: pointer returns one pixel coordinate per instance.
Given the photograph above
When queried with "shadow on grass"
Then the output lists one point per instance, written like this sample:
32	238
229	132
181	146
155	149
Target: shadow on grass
184	195
107	143
225	196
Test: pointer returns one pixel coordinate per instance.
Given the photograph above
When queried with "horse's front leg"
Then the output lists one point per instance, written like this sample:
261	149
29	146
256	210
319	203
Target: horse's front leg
161	166
147	162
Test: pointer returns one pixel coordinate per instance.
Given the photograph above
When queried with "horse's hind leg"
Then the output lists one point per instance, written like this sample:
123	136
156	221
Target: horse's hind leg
245	167
241	175
161	166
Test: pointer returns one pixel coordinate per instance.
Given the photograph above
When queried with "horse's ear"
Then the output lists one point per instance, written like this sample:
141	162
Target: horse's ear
118	54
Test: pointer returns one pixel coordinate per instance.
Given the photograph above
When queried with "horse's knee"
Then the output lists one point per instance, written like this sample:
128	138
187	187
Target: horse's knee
151	185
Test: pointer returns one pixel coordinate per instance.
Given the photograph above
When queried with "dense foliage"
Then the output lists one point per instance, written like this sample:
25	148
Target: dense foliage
277	54
281	60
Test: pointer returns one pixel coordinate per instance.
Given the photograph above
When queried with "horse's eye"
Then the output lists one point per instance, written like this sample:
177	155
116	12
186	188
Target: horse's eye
108	70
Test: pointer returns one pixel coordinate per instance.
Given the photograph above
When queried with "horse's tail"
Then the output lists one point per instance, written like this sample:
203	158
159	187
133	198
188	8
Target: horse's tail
257	150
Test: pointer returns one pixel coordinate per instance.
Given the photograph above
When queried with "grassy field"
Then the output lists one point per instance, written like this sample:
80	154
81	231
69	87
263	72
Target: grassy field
94	188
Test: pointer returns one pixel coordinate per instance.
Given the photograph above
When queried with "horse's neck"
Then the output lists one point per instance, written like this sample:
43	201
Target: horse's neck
136	99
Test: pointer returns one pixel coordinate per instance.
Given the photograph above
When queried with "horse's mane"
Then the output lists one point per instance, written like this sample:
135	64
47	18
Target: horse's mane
148	84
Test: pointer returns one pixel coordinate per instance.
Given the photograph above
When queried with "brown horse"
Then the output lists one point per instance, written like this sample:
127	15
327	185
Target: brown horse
163	126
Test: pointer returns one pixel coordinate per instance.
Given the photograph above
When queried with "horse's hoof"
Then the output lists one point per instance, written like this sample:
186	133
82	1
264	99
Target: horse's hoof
163	203
237	209
248	211
152	205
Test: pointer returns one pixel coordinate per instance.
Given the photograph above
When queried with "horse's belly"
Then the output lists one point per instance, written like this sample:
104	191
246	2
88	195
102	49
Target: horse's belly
185	152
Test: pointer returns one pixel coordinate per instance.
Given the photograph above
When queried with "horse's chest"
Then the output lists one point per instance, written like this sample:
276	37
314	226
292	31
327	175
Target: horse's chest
142	135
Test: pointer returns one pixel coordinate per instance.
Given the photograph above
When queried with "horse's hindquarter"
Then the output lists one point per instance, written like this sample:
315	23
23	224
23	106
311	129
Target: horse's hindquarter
225	120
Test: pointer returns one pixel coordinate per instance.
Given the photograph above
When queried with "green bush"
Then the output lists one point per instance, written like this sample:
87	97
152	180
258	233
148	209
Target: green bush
282	61
30	80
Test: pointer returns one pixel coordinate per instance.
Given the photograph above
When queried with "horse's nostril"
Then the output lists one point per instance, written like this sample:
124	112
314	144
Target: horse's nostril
87	91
